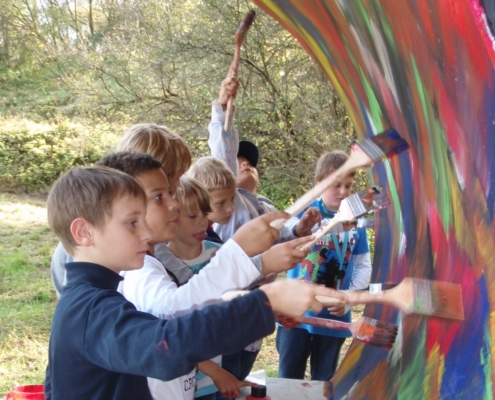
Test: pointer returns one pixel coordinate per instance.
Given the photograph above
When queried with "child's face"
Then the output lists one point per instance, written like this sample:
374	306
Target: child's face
192	226
247	175
123	241
337	192
161	216
222	205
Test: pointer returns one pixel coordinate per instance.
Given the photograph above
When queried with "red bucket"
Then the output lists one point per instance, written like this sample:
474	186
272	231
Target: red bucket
27	392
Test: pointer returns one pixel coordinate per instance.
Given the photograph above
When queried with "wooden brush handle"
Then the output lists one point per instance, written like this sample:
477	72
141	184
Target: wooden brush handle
229	112
354	297
322	232
400	296
321	322
357	159
229	115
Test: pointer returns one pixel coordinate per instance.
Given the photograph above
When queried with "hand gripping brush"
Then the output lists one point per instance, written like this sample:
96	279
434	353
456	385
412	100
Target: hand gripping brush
364	154
352	207
411	296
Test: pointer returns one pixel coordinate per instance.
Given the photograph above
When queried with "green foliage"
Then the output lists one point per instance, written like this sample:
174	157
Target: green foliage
34	156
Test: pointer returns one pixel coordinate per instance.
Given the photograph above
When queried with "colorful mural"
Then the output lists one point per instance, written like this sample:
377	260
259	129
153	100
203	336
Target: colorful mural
426	69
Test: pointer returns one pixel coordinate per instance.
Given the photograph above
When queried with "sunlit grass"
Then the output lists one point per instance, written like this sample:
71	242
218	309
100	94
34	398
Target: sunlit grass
27	299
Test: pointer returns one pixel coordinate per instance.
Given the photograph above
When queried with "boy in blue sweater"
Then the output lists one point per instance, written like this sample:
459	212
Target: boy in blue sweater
100	346
340	260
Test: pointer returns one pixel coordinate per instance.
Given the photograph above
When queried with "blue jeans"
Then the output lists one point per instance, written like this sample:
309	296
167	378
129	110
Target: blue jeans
296	345
238	364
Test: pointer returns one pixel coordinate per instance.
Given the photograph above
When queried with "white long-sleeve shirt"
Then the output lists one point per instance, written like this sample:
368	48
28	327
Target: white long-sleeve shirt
152	290
247	206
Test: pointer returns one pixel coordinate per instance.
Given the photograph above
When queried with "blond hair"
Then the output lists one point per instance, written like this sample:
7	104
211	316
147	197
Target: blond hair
161	143
213	173
87	193
190	193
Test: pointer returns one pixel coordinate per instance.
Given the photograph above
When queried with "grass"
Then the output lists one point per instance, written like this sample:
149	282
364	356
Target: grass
27	297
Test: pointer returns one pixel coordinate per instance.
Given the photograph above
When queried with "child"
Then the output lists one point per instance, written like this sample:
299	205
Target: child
340	261
153	288
100	346
242	159
234	157
191	246
174	154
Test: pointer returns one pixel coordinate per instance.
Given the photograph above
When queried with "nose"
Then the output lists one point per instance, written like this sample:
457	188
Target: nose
204	222
230	207
147	233
172	204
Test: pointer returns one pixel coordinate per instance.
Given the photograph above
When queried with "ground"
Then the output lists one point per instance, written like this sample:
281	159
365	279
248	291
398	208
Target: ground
27	297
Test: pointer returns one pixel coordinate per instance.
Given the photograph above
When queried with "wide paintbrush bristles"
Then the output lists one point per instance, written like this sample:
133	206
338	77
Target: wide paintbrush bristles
437	298
384	145
245	24
377	333
367	200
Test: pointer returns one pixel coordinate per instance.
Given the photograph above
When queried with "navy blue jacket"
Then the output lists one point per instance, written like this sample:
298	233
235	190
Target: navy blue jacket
101	347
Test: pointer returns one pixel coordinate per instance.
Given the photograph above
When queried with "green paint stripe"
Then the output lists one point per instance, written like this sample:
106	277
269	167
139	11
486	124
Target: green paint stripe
412	380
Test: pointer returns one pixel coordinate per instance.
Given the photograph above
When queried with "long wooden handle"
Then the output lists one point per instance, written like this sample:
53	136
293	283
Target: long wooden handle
358	159
355	297
320	322
229	115
322	232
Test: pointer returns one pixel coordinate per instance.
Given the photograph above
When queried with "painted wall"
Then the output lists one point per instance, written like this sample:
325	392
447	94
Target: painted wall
426	69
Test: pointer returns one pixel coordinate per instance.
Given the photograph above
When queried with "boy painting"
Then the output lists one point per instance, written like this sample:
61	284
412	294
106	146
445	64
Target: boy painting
339	261
99	342
101	347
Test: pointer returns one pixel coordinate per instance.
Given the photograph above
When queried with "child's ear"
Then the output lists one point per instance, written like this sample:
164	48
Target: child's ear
81	231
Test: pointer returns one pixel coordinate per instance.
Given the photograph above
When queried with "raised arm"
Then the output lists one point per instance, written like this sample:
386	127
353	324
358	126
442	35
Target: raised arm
223	145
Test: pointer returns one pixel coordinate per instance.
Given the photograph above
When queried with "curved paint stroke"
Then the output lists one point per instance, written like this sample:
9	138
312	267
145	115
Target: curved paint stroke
426	69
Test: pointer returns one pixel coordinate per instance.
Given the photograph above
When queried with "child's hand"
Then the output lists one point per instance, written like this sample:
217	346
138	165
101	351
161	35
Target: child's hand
257	235
284	256
338	309
294	297
228	385
310	217
227	90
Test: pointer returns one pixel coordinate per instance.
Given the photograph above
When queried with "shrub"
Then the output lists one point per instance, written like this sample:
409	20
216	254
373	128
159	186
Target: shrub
35	155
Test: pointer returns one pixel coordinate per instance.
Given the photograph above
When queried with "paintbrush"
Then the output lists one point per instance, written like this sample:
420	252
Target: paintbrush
371	331
352	207
240	35
363	154
412	296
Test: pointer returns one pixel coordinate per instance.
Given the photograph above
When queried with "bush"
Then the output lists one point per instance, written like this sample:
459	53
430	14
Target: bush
35	155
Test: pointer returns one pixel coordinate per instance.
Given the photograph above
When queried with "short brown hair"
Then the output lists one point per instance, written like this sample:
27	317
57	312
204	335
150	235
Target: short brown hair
161	143
133	164
213	173
330	162
87	193
191	192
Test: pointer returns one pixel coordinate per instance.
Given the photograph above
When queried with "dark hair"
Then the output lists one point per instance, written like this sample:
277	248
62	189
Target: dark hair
87	193
133	164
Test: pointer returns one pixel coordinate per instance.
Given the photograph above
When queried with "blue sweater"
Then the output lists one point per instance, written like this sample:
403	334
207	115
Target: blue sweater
101	347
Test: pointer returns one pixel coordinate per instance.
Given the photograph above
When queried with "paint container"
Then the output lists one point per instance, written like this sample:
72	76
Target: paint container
259	393
27	392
